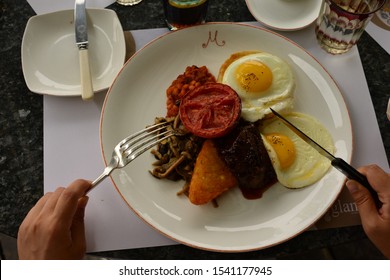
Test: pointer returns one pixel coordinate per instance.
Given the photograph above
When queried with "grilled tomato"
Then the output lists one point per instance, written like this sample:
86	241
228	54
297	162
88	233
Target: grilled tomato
211	110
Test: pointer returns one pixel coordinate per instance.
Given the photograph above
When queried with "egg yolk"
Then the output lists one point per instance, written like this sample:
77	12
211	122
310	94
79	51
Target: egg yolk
283	147
253	76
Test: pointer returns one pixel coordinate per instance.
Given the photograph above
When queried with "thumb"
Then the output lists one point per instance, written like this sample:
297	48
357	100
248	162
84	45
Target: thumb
363	199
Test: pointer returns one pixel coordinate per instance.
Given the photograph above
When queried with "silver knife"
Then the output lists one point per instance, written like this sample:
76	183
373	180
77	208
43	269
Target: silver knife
336	162
80	21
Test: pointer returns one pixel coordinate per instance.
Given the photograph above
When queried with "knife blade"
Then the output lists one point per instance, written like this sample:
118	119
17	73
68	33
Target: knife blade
336	162
81	33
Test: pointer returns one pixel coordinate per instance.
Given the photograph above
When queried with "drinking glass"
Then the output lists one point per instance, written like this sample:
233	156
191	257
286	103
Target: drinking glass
183	13
341	23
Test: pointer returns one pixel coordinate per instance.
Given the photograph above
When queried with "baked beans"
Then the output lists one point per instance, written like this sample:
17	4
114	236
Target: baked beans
192	77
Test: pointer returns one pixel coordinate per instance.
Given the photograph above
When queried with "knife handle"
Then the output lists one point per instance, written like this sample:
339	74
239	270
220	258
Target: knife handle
353	174
85	74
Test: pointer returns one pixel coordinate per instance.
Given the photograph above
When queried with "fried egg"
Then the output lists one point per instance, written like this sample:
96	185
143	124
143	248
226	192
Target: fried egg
262	80
296	163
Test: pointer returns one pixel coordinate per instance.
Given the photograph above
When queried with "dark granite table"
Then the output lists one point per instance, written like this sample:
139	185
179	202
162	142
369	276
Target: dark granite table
21	133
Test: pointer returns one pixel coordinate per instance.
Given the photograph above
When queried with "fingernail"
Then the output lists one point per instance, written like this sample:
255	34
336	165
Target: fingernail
352	186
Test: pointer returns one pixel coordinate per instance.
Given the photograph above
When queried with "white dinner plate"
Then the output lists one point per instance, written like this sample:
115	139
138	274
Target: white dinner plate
137	96
50	58
284	15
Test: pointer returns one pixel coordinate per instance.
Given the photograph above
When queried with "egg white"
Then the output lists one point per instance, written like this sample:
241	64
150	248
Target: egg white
309	166
279	95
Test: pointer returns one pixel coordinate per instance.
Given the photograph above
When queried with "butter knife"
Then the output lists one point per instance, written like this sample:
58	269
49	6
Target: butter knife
336	162
80	21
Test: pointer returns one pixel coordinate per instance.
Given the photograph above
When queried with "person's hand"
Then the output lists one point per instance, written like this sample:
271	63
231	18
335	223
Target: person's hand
54	227
376	222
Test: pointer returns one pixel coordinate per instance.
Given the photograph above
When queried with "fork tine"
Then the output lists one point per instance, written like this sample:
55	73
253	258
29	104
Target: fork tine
130	145
154	130
148	130
136	144
133	152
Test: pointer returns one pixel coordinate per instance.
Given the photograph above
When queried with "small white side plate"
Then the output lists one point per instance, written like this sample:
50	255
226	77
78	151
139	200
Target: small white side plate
50	58
284	15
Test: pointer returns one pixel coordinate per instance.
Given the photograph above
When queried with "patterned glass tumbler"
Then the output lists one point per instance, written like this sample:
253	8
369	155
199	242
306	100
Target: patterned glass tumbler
341	23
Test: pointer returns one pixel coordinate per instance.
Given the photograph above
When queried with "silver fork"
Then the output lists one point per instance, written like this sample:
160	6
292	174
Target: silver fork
133	146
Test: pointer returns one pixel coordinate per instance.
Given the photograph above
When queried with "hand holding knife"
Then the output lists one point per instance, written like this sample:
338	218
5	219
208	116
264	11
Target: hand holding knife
338	163
80	20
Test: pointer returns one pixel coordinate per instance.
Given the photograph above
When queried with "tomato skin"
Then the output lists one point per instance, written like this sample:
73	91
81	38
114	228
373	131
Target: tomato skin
211	110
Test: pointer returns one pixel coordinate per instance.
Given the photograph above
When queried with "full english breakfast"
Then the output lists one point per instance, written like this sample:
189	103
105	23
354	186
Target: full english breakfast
228	137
